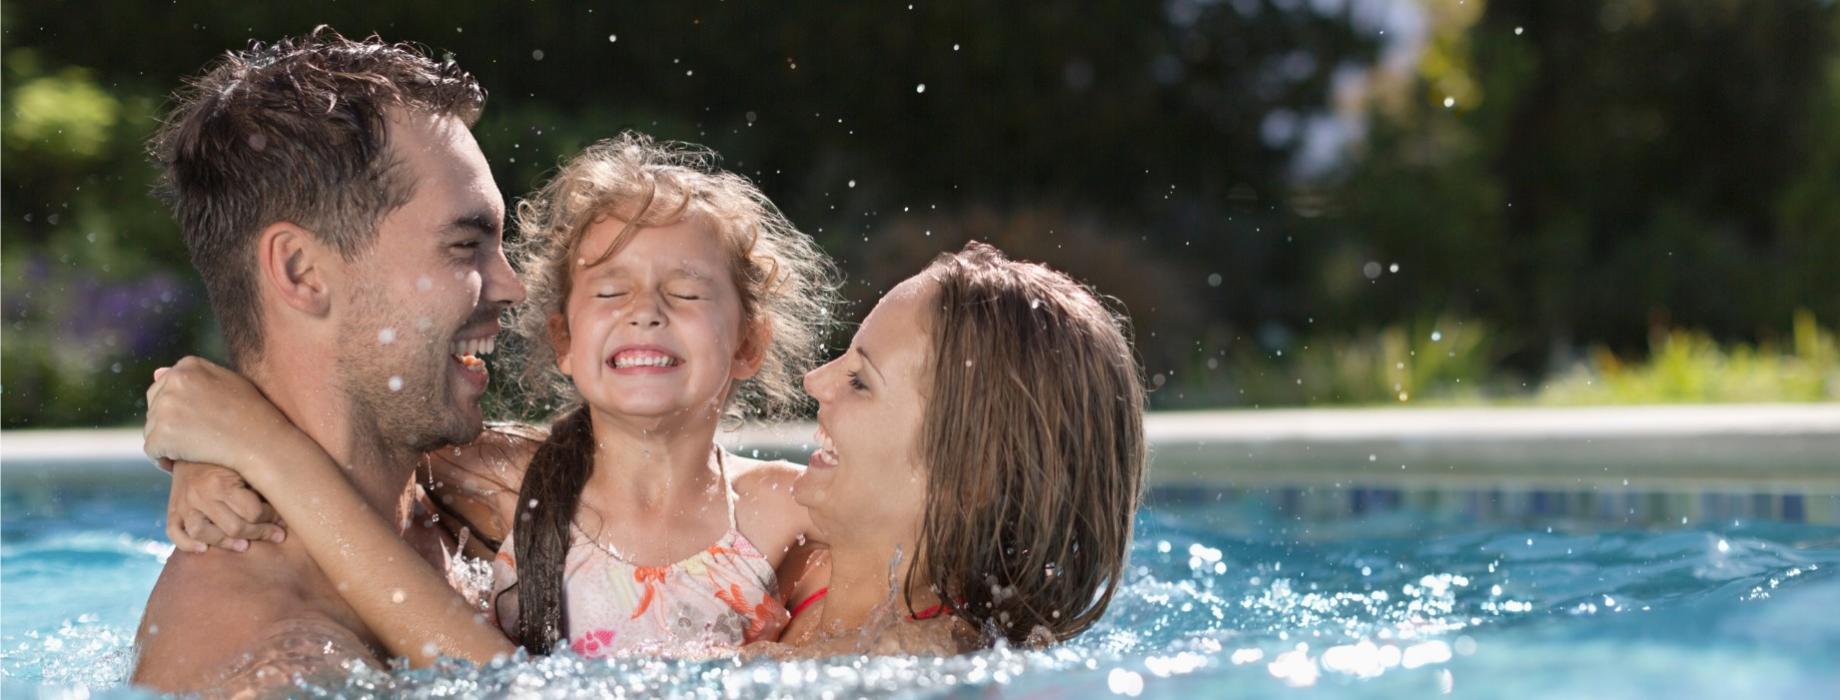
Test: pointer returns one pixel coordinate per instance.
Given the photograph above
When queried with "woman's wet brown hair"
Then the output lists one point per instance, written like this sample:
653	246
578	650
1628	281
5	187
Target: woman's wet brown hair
1033	442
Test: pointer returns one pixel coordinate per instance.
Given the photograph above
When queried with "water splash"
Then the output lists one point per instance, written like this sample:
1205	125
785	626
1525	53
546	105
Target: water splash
1382	607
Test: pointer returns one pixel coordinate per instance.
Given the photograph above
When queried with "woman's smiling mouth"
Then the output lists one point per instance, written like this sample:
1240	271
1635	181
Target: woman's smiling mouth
826	454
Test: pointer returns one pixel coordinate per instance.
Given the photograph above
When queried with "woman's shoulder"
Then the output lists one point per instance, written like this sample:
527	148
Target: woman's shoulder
942	636
764	504
758	478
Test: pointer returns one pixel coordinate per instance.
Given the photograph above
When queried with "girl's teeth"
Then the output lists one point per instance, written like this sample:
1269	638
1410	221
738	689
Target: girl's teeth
652	361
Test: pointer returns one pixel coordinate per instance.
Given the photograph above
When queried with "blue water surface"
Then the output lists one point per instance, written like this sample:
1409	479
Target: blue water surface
1316	591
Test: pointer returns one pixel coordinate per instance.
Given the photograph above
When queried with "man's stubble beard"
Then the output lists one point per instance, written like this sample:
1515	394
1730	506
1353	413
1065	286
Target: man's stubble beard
420	415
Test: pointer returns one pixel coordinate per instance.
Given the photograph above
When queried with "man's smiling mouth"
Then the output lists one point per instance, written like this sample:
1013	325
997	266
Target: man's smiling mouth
467	351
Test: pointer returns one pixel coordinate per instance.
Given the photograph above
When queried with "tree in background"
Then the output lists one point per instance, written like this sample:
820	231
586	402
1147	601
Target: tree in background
1242	174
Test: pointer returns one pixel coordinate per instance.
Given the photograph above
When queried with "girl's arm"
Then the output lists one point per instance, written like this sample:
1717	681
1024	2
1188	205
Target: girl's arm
199	411
211	506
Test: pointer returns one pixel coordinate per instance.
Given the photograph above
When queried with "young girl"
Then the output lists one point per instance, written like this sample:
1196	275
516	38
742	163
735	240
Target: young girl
665	297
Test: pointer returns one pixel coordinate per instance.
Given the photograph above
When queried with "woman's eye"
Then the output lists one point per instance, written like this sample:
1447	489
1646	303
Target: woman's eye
609	294
689	297
856	382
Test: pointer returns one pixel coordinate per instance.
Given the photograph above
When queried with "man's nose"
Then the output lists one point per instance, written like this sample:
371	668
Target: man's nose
502	286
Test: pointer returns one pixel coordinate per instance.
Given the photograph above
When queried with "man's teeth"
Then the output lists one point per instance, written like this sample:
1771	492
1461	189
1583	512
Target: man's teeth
623	361
474	347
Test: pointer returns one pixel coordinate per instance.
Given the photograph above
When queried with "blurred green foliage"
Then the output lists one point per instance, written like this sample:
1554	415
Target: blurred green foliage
1288	197
1445	359
1689	367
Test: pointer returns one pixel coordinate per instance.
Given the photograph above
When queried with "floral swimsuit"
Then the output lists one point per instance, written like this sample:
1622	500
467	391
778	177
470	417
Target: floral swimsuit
721	597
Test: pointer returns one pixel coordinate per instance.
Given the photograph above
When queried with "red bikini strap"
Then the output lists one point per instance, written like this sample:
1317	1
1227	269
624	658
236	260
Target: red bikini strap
929	613
813	598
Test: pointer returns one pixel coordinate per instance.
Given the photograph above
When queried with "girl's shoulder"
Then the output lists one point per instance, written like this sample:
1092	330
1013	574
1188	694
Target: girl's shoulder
494	462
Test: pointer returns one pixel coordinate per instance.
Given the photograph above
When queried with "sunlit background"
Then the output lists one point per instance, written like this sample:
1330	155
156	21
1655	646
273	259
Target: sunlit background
1300	202
1475	210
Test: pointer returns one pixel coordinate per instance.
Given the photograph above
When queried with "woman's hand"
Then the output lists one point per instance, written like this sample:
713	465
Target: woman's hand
213	506
200	412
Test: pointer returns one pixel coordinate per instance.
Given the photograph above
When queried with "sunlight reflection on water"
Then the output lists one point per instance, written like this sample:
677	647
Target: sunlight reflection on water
1399	607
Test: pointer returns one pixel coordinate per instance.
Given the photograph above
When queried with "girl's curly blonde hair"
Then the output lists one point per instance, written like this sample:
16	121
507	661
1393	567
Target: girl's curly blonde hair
785	281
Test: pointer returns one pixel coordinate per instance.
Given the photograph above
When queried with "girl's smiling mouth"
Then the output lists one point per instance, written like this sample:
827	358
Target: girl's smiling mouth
643	359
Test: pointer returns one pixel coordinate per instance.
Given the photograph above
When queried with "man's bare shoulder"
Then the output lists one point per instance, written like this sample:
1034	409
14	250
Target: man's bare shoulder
223	623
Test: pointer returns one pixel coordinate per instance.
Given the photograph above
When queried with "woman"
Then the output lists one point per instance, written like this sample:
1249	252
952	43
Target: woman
984	480
976	483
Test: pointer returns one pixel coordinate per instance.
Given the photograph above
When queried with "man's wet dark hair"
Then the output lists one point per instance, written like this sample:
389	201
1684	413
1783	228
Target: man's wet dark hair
293	131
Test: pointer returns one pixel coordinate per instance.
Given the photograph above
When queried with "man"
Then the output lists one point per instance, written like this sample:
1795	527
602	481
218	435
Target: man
349	235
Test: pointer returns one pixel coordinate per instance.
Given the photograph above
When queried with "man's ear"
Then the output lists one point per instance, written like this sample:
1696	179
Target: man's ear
293	263
753	351
559	341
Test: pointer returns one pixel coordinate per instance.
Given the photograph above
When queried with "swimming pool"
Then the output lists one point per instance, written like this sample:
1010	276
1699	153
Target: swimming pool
1315	586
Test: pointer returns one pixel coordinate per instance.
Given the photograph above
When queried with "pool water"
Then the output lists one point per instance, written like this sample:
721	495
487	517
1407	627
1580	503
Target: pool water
1300	591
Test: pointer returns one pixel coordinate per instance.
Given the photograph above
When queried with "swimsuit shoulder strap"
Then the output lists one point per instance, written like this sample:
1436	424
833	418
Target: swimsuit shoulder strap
728	489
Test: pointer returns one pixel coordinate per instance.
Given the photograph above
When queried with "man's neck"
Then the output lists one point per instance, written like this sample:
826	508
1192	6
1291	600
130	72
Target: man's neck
379	470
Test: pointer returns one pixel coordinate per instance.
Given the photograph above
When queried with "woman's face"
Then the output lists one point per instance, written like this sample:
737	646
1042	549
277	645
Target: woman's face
865	480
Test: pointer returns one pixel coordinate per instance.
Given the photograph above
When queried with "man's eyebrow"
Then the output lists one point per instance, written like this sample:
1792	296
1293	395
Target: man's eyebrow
865	356
483	222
